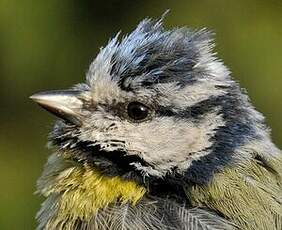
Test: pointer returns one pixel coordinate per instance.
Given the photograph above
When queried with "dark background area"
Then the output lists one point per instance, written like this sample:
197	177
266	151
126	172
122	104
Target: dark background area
49	45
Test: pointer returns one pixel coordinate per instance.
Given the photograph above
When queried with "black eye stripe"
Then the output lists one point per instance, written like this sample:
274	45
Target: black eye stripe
195	111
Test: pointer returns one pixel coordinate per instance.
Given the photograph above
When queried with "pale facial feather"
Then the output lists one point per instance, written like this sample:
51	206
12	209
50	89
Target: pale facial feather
164	142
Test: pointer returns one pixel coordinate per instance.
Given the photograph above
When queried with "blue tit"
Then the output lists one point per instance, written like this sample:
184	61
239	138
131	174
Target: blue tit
159	136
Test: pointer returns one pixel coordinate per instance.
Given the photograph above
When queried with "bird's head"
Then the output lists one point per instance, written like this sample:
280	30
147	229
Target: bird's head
157	103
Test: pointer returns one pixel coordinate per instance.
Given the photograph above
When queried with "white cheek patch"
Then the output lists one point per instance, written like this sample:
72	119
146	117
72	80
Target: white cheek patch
166	142
104	130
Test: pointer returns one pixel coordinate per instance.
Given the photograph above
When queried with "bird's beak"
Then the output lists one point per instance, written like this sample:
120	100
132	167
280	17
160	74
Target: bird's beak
65	104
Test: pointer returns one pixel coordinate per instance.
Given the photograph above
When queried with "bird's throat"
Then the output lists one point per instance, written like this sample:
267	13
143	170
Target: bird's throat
78	191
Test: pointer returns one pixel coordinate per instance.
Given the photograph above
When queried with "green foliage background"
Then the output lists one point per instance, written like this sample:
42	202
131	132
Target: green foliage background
49	45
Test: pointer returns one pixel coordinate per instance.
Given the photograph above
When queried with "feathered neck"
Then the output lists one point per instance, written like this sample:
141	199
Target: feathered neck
249	193
76	192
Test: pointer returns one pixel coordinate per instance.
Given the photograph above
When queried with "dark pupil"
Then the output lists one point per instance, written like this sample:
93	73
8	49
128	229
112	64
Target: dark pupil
137	111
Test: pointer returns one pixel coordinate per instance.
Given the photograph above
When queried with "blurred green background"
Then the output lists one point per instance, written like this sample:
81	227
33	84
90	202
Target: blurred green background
49	45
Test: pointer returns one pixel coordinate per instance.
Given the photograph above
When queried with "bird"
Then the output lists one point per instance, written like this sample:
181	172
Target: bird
159	136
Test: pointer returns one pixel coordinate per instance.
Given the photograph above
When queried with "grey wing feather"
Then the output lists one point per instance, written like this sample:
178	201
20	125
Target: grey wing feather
160	214
198	219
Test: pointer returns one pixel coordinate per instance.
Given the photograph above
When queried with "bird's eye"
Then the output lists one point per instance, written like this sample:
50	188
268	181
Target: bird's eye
138	111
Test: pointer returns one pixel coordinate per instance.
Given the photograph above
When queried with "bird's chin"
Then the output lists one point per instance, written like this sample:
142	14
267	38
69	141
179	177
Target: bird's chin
111	162
119	157
114	162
